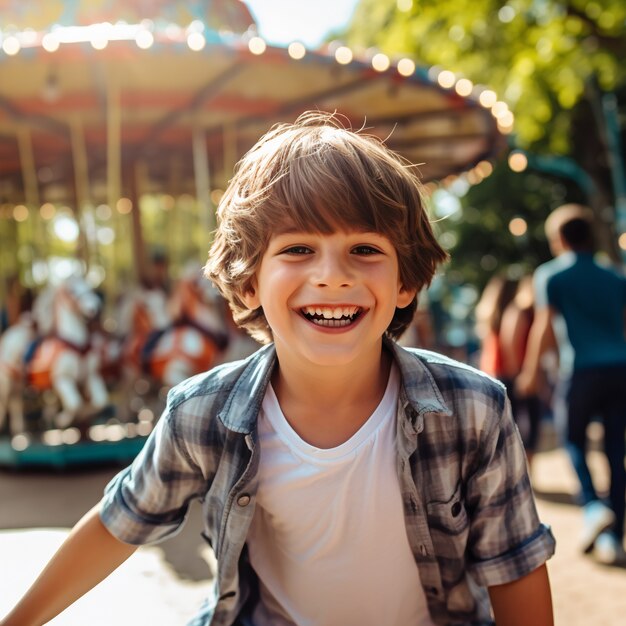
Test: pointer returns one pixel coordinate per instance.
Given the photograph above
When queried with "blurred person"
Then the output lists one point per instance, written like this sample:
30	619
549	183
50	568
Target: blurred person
504	316
585	304
517	320
158	271
496	296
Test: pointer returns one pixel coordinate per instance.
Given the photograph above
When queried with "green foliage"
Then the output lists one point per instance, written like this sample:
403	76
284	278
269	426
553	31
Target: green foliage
484	243
537	54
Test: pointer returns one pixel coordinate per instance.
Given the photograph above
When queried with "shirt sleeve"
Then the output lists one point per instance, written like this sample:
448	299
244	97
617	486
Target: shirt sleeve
507	540
147	502
552	294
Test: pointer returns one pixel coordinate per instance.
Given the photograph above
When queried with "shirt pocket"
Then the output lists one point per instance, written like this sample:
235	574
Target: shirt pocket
448	523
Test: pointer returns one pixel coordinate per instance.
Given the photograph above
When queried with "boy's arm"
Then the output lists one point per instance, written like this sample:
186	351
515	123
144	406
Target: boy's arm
524	601
88	555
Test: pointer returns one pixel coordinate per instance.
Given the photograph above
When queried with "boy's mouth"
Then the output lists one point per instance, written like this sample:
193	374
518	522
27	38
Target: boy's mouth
332	316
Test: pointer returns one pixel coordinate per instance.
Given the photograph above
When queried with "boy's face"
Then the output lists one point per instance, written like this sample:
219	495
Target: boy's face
328	298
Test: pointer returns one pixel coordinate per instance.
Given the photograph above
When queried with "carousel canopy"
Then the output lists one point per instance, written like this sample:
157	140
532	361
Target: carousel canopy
91	90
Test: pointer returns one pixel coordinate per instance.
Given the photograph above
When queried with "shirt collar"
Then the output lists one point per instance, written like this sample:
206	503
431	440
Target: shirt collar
241	409
422	392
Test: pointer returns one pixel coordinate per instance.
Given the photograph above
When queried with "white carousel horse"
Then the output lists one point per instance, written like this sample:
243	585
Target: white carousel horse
14	343
62	358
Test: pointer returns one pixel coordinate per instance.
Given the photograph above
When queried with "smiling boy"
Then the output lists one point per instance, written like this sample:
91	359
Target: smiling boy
344	479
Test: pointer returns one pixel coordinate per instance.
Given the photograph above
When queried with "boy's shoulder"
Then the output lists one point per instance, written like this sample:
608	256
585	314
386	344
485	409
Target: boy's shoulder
449	381
235	382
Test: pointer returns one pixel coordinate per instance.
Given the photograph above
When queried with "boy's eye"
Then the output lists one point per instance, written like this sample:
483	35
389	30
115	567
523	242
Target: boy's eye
365	250
297	250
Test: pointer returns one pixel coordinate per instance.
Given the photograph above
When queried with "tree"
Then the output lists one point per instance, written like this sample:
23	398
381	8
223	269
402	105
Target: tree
555	62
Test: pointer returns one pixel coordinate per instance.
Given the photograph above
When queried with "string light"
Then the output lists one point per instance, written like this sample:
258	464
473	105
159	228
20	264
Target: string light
406	67
464	87
296	50
446	79
196	41
50	42
144	39
499	109
343	55
487	98
380	62
11	45
257	45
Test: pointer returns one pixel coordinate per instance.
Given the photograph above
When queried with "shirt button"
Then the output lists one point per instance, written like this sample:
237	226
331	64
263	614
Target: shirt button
423	550
456	509
243	500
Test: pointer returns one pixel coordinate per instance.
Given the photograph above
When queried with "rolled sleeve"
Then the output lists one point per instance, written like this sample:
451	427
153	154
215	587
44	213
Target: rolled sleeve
518	562
506	537
147	502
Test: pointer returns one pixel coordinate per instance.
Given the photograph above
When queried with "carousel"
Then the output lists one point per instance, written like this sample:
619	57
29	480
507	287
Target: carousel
120	125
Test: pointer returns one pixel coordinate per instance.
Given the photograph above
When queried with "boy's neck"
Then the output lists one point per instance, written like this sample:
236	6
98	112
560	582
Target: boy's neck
327	405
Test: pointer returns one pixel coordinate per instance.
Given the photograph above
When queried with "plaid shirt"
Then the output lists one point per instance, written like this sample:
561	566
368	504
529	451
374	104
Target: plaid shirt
468	504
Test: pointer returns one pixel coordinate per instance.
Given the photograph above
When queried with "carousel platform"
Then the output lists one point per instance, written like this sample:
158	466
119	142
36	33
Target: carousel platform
106	441
38	453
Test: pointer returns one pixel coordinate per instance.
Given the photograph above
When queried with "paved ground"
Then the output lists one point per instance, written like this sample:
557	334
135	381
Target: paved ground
163	585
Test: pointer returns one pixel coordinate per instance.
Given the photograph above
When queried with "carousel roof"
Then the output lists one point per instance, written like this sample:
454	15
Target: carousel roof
84	99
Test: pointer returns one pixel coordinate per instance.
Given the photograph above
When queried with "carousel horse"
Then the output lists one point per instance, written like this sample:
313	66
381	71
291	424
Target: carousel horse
166	340
61	358
14	343
197	336
142	314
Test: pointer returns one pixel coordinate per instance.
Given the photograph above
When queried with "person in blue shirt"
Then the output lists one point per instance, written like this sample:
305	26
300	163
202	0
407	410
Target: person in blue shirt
586	303
344	479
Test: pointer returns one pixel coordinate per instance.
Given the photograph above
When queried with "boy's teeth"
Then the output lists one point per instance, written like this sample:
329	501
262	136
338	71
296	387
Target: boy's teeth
328	313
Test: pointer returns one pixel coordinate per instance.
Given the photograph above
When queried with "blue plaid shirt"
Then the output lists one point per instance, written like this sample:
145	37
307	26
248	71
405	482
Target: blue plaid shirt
468	504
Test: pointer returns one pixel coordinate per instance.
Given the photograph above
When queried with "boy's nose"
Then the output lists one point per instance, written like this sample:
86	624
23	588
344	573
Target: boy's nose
333	271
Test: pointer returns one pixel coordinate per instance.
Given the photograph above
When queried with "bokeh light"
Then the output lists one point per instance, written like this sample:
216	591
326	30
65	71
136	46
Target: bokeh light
518	161
518	226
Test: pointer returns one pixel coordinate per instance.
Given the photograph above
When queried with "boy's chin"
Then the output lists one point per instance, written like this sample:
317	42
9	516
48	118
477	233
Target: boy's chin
333	355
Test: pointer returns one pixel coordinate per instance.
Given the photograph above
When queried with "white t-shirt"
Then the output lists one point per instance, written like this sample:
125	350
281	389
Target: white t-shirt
328	539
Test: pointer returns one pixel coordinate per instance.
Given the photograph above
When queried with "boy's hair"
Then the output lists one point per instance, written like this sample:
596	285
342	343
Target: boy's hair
318	175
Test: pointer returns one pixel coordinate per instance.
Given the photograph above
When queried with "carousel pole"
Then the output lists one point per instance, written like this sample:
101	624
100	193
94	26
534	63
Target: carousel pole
175	176
27	163
229	149
29	178
203	183
139	177
81	183
114	172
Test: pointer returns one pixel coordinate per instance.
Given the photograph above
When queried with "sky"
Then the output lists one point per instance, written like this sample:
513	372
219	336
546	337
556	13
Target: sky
282	21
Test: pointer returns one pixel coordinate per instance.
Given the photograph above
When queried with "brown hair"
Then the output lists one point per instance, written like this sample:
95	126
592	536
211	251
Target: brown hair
318	175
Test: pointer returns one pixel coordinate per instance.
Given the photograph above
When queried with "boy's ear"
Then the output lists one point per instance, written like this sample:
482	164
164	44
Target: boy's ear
405	296
250	297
